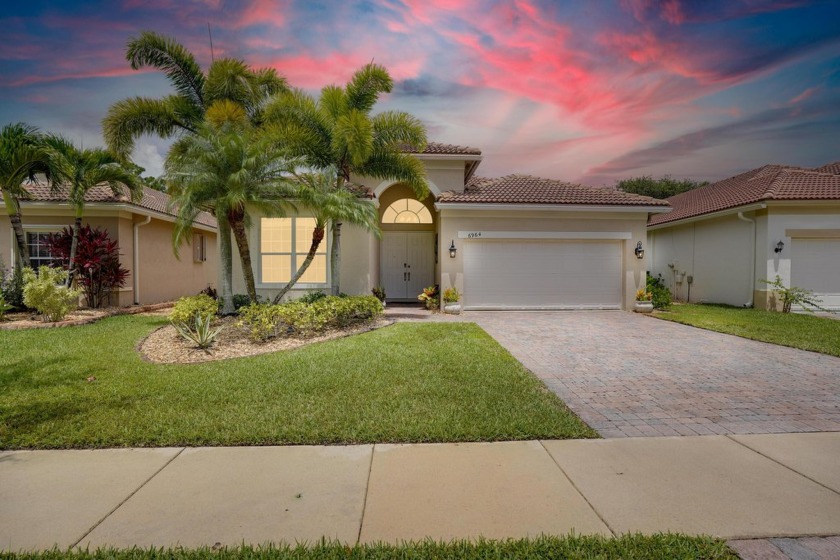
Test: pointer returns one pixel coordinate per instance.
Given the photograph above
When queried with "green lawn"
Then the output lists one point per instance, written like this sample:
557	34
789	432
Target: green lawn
409	382
798	330
627	547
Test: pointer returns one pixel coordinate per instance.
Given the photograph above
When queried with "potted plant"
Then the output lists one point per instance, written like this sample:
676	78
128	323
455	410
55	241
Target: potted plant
644	301
431	297
379	292
451	297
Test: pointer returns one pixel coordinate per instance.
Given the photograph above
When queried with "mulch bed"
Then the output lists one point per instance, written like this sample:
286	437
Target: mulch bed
30	320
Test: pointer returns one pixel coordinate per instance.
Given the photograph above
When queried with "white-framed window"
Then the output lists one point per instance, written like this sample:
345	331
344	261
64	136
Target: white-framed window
407	211
36	242
284	244
199	248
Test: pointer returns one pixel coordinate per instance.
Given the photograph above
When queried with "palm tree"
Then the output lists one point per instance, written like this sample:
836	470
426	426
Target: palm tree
339	131
226	167
183	112
316	191
22	157
78	171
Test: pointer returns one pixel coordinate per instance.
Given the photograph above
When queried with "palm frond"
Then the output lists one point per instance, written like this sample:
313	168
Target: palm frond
398	130
170	57
399	166
130	118
366	85
353	138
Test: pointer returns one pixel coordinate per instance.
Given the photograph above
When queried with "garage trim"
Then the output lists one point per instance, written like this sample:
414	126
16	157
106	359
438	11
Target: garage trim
483	234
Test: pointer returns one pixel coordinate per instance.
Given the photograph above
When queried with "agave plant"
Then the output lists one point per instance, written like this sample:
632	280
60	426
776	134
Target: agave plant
200	333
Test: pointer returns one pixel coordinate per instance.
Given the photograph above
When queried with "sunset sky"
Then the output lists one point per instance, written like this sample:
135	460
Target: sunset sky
585	91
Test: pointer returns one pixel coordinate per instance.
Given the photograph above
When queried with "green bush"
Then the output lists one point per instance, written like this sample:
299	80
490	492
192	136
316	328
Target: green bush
261	320
308	319
311	297
4	307
187	309
46	293
12	287
661	294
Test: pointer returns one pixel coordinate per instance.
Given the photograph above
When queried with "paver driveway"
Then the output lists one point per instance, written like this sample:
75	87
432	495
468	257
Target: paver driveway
628	375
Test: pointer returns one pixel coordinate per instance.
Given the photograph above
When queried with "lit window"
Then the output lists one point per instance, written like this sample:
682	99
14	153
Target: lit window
284	244
407	211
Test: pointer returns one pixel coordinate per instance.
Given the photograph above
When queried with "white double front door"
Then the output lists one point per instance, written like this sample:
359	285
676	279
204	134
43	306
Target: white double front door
407	263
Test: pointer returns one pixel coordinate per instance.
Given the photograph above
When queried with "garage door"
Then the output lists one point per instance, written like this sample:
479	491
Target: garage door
542	274
815	266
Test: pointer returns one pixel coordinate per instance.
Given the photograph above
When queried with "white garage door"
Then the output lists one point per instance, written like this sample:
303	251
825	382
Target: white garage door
542	274
815	266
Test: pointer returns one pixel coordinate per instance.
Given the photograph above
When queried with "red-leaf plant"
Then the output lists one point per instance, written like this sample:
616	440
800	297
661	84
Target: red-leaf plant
97	262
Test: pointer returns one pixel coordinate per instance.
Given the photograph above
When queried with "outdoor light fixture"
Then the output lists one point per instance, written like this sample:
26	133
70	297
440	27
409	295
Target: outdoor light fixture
452	250
640	253
779	246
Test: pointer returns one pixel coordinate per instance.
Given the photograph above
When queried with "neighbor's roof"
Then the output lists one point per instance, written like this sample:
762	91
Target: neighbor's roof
438	148
526	189
152	200
771	182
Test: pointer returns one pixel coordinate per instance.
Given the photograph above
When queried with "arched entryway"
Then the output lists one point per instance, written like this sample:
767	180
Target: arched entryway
408	248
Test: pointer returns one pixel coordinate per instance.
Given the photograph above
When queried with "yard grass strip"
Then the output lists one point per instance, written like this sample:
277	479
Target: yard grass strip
410	382
627	547
797	330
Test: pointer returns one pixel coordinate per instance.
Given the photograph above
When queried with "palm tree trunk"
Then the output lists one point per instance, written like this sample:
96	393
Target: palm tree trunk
74	247
317	238
226	261
13	208
237	224
335	259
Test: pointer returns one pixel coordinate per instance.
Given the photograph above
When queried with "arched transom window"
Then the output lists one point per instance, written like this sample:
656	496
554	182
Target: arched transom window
407	211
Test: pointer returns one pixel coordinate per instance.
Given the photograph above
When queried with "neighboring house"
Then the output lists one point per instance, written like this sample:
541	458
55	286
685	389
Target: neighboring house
517	242
143	231
723	240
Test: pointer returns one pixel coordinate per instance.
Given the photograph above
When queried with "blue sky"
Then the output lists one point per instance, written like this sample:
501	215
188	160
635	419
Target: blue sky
582	91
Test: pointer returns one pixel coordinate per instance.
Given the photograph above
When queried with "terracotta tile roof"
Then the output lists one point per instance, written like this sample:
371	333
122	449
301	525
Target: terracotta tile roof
833	168
447	149
152	200
525	189
771	182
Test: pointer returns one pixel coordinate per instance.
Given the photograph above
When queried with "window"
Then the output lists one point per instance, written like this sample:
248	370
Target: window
39	253
284	244
199	248
407	211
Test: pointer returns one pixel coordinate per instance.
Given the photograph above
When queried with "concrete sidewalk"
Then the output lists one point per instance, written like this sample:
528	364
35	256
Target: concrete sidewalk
729	486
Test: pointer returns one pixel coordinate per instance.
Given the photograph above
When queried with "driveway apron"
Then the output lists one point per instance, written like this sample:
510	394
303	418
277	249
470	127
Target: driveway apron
627	375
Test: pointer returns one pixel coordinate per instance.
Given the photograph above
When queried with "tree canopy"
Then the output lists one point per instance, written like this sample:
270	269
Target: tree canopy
662	187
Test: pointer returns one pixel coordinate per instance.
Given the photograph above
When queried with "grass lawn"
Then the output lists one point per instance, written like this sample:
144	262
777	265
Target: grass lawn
798	330
627	547
410	382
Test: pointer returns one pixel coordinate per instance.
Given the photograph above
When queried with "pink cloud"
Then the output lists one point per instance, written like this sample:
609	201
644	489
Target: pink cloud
804	95
263	12
82	74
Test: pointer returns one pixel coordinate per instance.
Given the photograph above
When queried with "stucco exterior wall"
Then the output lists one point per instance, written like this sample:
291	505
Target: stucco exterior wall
453	221
716	253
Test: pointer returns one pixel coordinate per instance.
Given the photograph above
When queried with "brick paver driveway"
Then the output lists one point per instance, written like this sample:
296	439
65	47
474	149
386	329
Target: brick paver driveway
628	375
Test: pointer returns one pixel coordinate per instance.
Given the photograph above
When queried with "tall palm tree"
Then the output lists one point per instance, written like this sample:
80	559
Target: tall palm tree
226	167
78	171
195	91
22	157
316	192
339	131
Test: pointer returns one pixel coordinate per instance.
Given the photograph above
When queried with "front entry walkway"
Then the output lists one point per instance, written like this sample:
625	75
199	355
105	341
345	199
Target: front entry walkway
627	375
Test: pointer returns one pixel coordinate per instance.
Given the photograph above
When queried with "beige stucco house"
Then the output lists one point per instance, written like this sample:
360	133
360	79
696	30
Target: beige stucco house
515	242
143	231
723	240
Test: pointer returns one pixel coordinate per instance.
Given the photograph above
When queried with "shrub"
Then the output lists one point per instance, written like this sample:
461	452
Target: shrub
46	293
660	294
12	287
431	297
329	312
240	301
97	262
451	295
199	333
311	297
262	320
209	291
187	309
793	295
379	293
4	307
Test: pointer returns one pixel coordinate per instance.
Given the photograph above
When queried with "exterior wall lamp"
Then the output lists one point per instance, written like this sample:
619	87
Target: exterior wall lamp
640	253
780	246
452	249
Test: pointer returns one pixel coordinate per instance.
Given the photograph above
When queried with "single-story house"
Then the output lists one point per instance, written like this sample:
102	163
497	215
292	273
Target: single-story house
143	231
723	240
515	242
